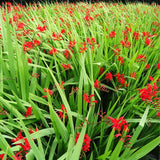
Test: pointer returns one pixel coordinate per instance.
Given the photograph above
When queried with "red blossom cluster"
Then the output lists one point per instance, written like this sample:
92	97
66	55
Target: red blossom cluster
62	113
149	92
41	29
125	43
117	51
136	35
121	79
25	146
141	57
27	46
86	142
108	76
66	66
101	71
61	84
121	126
28	112
53	51
83	48
112	34
96	84
50	92
121	60
87	98
67	54
57	36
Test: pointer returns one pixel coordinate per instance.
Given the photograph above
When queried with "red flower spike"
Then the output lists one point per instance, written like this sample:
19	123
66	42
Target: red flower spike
86	142
57	37
50	92
121	60
117	123
61	113
86	98
118	135
96	84
151	78
147	66
140	58
158	66
133	74
101	71
41	29
53	51
149	92
158	114
71	44
108	76
136	35
29	60
36	43
28	112
112	34
83	48
147	41
63	31
66	66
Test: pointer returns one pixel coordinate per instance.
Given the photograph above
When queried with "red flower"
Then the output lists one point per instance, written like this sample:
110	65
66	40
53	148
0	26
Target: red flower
83	48
71	44
67	54
61	85
120	78
108	76
86	142
121	60
27	46
66	66
117	123
50	92
101	71
158	114
53	50
133	74
149	92
36	43
91	41
28	112
63	31
158	66
136	35
29	60
126	43
86	98
88	18
20	26
147	41
151	78
1	156
41	29
147	66
112	34
26	145
118	135
116	51
96	84
62	112
57	36
140	57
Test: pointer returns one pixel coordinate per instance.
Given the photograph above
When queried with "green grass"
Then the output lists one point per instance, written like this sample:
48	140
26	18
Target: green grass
52	54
